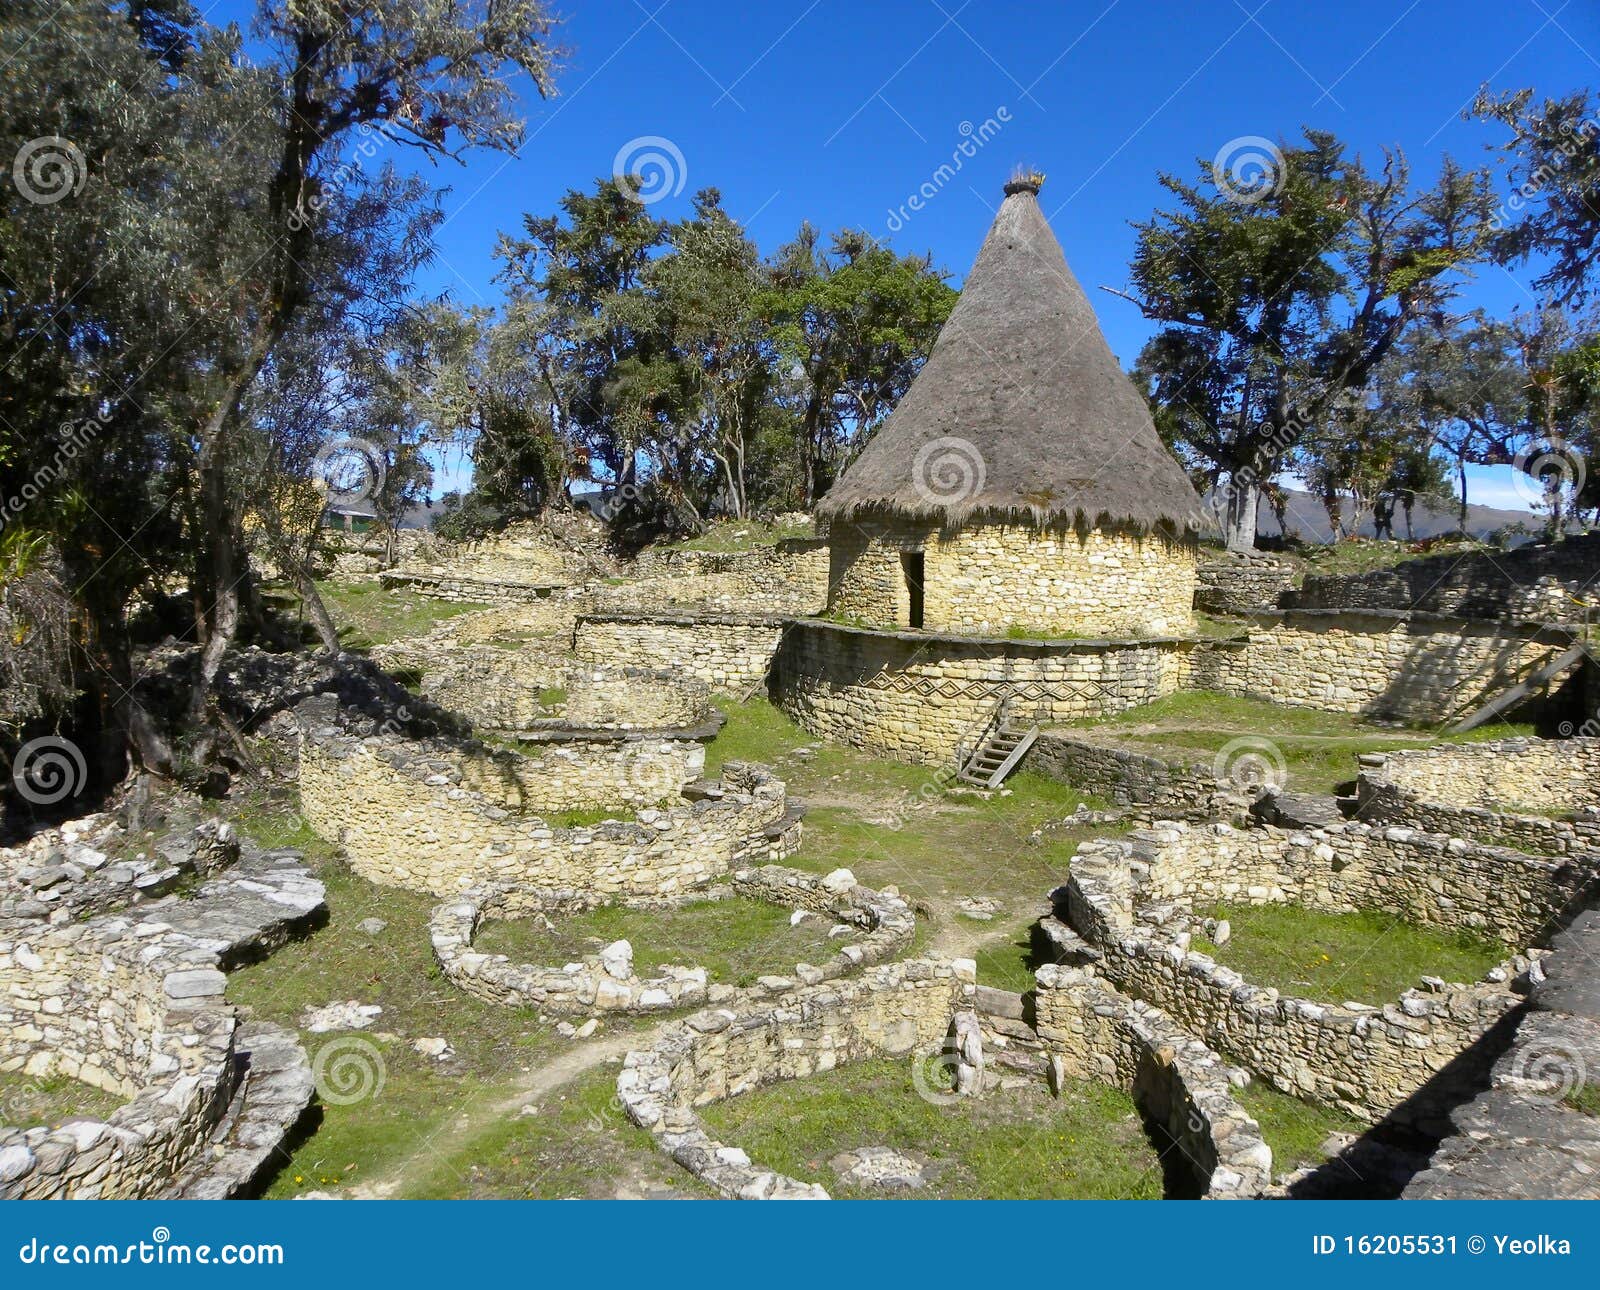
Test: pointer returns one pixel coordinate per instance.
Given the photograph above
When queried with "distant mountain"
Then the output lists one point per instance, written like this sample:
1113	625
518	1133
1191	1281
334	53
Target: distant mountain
1307	518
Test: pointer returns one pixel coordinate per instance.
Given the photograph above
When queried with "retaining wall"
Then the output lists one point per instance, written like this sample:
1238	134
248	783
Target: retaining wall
439	817
729	652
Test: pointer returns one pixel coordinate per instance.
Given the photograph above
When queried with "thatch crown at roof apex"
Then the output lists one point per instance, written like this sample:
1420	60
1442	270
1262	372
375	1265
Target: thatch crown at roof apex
1022	411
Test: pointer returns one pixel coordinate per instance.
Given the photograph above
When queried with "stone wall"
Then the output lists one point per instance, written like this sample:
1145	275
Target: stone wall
495	689
1176	780
635	698
893	1010
522	561
920	698
1414	667
882	921
789	576
440	817
1239	582
985	578
1538	583
1491	791
729	652
1134	903
133	1003
1174	1079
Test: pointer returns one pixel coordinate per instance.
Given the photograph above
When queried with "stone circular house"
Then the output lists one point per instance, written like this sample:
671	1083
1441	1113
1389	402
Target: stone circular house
1020	484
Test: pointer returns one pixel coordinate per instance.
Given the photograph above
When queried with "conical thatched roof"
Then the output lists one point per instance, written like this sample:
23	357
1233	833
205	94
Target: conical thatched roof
1021	410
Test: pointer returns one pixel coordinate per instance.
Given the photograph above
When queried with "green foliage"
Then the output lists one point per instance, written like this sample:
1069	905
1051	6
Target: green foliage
1277	306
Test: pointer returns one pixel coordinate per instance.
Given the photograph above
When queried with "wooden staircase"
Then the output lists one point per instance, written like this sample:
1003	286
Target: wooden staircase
997	752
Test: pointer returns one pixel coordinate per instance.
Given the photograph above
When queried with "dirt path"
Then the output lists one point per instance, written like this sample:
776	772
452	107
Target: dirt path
536	1084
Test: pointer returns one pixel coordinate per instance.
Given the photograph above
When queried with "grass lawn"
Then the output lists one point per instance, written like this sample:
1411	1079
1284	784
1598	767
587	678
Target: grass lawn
742	535
1295	1130
1367	957
1318	748
735	940
28	1100
367	614
1585	1098
1008	1144
420	1098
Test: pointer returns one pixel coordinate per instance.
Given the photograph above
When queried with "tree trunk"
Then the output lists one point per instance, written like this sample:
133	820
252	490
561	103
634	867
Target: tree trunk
1244	497
1461	510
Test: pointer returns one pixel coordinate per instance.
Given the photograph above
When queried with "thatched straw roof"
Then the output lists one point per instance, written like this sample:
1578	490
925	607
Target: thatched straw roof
1022	411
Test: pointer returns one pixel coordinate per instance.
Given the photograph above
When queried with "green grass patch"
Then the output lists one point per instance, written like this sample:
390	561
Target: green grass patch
1294	1129
367	614
1368	957
552	697
1585	1098
577	1144
1007	966
419	1097
585	817
743	535
1009	1144
29	1100
736	940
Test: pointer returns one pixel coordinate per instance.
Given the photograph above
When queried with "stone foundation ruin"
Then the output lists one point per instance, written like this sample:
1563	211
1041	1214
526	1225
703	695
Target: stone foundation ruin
131	1002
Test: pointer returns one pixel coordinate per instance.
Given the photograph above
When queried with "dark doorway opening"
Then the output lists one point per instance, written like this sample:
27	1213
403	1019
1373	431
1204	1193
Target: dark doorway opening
911	565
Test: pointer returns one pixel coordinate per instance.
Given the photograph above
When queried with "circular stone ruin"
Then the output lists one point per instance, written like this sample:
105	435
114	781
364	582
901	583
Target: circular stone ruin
130	1002
1137	904
1538	795
874	926
921	1007
443	816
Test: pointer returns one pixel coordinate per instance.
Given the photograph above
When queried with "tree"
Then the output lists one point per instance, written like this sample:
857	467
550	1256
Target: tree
1277	305
853	326
1463	381
436	79
563	279
1554	162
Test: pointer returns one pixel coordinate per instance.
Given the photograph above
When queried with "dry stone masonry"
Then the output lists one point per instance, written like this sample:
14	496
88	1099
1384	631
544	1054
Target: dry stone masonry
442	817
1134	903
882	923
1540	795
132	1003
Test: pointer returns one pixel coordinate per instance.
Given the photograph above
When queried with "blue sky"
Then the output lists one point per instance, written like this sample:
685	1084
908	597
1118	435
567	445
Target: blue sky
837	111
